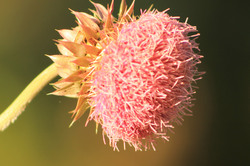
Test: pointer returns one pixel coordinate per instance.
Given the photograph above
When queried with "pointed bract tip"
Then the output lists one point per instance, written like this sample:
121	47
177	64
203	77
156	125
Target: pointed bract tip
71	124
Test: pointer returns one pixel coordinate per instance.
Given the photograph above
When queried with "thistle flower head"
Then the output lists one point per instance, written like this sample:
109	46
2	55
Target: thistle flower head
134	74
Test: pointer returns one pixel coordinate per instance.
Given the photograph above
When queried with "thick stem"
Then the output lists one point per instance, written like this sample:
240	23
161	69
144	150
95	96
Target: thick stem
19	104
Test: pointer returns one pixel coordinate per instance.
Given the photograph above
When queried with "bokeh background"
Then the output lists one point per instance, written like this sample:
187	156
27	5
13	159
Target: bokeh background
217	134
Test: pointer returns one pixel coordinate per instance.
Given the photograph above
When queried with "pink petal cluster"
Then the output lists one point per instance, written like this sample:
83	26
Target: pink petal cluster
144	81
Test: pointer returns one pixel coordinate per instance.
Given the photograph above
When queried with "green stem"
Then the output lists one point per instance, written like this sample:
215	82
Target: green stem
19	104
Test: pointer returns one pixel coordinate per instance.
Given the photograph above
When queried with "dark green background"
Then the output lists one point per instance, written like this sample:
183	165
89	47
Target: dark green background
217	134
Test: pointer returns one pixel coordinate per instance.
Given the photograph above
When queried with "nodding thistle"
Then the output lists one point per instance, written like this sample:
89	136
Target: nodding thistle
133	74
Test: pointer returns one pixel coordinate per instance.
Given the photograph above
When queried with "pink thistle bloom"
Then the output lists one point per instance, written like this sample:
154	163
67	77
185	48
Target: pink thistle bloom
144	83
134	75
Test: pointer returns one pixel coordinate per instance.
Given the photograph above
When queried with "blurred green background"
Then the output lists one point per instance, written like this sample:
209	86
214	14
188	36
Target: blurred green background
217	134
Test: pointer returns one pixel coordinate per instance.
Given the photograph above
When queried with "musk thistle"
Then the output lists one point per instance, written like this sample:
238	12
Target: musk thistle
133	74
